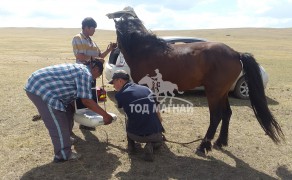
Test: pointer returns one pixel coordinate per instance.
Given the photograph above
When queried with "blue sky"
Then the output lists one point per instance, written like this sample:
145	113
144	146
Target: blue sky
156	14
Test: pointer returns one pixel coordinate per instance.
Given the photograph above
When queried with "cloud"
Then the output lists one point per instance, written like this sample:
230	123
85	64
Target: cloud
165	14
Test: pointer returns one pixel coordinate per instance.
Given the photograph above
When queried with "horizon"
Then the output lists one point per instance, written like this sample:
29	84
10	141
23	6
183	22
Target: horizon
97	29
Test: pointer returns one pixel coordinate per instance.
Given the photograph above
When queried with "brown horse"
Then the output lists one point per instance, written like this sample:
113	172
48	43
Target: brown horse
212	65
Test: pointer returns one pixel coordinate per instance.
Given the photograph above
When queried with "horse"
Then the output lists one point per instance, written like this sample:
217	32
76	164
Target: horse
213	65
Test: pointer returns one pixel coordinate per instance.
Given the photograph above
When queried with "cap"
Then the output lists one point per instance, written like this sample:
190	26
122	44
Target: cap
120	74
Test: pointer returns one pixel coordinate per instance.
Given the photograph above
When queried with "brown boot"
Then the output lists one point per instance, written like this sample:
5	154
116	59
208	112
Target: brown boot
148	152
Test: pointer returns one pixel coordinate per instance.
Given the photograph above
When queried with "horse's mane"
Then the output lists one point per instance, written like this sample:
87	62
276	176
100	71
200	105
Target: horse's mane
132	33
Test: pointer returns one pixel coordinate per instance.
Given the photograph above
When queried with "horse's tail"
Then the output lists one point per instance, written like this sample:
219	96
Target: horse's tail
258	98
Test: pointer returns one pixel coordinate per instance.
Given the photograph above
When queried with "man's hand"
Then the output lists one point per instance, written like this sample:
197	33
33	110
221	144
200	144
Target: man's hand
107	119
111	46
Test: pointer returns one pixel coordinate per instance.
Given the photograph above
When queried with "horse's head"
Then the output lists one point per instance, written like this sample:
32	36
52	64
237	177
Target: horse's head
129	31
133	38
126	23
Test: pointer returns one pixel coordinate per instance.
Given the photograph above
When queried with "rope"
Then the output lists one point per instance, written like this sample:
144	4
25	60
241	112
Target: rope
164	138
102	85
181	143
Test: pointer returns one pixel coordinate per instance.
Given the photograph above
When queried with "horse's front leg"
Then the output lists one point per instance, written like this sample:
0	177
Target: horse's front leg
206	144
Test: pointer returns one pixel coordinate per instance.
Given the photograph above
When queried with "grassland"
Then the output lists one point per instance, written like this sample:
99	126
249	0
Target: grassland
26	150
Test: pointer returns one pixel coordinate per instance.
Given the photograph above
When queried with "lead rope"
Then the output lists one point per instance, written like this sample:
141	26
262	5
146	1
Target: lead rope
103	87
181	143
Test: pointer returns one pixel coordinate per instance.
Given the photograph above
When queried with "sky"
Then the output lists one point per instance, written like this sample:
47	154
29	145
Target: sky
155	14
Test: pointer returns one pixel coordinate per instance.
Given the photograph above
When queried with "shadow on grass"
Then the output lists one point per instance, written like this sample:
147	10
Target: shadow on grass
96	162
284	173
167	165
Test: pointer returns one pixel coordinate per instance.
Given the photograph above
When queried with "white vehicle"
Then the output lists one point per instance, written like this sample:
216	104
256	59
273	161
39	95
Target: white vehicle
239	88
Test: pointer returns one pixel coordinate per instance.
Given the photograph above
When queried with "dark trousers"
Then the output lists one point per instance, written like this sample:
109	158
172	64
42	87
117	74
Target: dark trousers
58	123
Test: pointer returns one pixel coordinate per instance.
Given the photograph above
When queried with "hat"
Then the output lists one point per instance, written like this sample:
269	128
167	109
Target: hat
120	74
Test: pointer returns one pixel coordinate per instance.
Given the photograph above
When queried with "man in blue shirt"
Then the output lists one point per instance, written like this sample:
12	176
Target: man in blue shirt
53	89
143	123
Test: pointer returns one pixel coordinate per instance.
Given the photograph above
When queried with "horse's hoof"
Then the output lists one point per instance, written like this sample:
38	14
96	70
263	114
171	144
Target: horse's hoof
219	144
204	148
217	147
207	145
200	152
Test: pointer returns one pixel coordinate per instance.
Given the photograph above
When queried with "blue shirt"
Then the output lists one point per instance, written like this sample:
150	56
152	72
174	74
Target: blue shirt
59	85
140	109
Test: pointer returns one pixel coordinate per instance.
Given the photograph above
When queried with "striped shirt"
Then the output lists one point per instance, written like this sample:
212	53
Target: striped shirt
83	45
59	85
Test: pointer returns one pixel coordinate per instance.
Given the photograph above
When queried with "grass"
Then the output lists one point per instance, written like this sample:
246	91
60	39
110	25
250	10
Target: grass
26	150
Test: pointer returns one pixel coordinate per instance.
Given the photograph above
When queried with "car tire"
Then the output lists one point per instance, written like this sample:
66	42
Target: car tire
241	89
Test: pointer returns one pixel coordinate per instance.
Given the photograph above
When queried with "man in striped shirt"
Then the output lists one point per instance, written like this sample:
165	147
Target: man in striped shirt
53	89
85	49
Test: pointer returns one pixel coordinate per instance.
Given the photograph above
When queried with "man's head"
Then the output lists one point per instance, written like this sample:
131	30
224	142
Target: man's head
88	26
96	67
119	79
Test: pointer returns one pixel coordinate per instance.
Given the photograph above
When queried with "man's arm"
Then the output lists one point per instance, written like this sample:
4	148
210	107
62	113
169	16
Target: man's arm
91	104
109	48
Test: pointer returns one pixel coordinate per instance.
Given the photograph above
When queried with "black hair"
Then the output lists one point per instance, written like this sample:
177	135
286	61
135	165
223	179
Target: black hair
95	63
88	22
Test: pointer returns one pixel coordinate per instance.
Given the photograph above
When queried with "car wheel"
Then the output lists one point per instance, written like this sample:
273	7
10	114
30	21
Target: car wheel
241	89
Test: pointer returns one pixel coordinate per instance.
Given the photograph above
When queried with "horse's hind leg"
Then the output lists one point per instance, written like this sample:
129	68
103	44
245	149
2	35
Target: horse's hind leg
215	118
226	114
